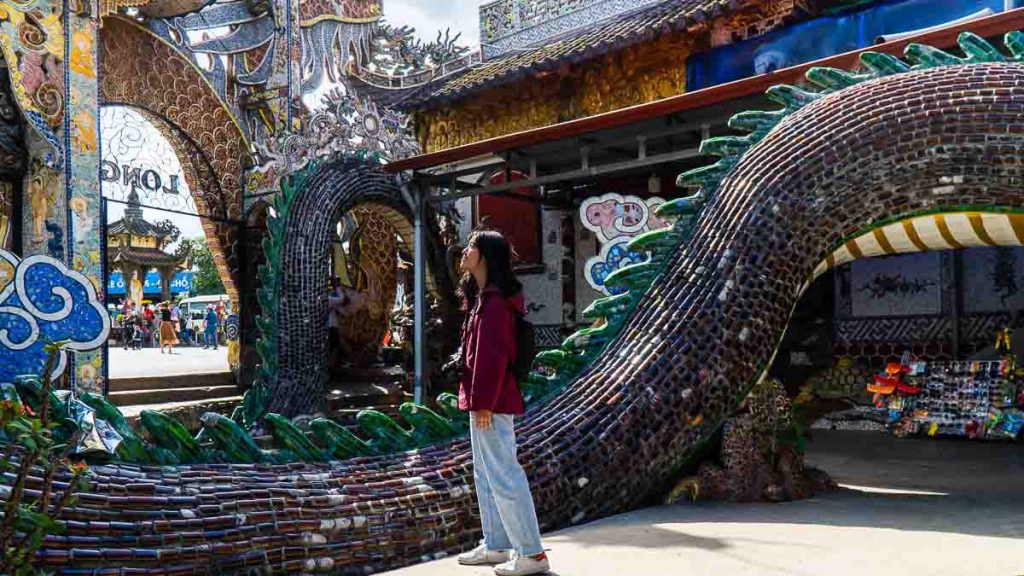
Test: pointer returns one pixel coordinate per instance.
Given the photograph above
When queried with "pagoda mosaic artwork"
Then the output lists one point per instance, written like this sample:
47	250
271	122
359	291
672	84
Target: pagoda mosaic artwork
292	121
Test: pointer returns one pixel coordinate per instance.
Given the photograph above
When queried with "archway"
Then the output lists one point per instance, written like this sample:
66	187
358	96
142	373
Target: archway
192	117
331	190
158	194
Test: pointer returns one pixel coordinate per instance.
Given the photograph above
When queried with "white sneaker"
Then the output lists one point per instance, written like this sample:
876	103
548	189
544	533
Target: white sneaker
482	555
523	566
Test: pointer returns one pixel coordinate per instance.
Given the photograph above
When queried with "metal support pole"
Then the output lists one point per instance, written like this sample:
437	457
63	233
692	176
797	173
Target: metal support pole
419	302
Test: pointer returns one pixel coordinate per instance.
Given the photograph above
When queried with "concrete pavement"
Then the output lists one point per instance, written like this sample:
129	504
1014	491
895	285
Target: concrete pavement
150	362
920	507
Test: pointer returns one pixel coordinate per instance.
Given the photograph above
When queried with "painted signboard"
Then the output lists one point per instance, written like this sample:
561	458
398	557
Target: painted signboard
824	37
993	280
182	282
897	286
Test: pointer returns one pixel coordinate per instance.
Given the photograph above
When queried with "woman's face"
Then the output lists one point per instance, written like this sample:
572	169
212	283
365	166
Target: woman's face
471	259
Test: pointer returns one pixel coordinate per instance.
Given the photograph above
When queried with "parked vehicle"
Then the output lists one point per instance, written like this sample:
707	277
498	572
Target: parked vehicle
192	312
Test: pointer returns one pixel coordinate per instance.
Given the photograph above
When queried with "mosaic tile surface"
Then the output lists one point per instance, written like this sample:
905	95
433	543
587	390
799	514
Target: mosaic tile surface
709	313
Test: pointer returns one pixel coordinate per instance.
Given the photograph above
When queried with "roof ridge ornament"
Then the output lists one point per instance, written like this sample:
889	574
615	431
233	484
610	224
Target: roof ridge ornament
346	125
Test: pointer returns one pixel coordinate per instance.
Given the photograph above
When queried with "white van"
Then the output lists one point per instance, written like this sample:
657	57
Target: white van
192	310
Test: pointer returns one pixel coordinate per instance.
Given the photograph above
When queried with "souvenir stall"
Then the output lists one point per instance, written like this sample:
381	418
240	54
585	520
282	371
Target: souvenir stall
921	343
973	399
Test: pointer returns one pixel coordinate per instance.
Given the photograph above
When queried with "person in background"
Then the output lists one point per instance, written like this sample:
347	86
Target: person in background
222	317
168	335
492	297
128	323
175	318
335	299
180	326
149	322
210	325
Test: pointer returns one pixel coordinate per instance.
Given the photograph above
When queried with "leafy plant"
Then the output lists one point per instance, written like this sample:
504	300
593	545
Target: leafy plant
30	448
207	280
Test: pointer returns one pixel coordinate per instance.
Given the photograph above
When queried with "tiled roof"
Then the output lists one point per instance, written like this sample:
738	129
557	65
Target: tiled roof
601	38
136	226
147	256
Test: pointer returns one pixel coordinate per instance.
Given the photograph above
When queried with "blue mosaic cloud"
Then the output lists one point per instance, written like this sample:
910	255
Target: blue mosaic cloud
613	256
46	302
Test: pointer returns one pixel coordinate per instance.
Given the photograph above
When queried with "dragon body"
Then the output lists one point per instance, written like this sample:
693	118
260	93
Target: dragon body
624	407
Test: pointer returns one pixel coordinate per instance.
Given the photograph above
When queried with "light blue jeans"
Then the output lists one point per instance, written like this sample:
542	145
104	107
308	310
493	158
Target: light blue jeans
502	490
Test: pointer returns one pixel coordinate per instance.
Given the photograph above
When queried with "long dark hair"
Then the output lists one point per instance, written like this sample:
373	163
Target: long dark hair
498	254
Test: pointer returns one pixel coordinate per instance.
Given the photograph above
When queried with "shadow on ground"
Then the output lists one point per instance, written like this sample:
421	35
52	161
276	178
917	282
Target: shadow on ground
920	507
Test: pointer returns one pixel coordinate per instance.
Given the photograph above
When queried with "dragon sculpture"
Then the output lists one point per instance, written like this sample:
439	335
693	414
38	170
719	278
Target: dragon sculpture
622	408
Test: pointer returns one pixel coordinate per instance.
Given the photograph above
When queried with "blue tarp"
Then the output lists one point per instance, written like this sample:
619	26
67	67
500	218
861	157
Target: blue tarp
823	37
182	282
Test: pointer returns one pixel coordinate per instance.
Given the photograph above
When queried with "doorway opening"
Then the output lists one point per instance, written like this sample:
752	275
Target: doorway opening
171	314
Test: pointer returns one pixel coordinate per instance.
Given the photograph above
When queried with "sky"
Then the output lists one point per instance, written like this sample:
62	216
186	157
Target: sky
430	16
128	138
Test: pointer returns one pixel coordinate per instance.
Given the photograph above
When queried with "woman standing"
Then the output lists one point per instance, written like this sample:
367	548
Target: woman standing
168	337
491	297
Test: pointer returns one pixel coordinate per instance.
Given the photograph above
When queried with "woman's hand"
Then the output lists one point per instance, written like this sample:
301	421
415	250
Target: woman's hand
482	419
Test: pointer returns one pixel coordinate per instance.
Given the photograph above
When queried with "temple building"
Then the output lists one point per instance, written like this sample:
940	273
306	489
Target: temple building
135	246
567	131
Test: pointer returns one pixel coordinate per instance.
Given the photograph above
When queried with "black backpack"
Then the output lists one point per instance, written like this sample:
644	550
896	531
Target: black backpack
526	349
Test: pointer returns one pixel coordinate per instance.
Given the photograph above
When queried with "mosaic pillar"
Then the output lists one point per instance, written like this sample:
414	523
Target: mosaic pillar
81	169
52	62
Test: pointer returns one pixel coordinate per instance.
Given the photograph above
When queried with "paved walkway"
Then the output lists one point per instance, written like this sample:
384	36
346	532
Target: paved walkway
150	362
921	507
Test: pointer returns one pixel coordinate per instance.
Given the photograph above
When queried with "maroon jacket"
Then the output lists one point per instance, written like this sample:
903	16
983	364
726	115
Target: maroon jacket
488	349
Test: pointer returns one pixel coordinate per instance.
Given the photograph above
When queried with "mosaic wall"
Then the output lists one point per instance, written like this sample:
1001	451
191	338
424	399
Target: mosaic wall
51	49
43	301
615	220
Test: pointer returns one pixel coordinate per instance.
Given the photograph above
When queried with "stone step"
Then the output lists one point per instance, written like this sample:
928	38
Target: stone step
173	409
380	375
172	381
164	395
